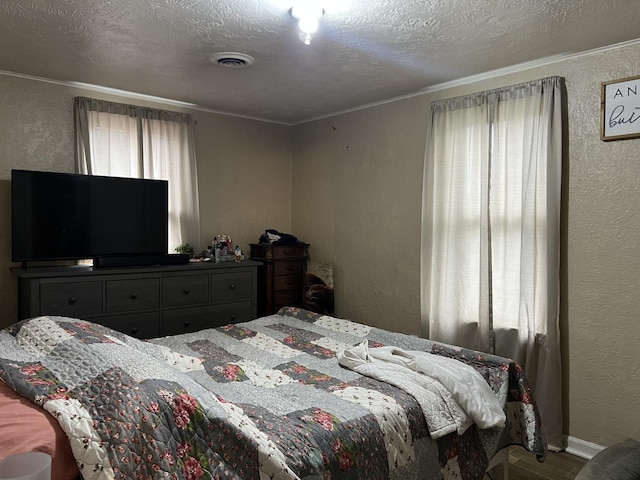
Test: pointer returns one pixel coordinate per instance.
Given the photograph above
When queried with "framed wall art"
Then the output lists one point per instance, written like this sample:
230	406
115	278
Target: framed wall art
620	109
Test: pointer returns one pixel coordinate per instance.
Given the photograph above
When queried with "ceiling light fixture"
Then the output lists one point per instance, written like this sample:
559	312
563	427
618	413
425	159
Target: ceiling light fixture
308	13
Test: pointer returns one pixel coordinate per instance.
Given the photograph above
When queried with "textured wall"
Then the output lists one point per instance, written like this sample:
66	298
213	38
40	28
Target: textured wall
357	181
603	305
356	197
244	172
244	166
36	131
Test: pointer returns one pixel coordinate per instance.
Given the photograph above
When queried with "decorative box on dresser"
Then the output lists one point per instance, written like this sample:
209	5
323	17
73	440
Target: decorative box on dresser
144	302
281	278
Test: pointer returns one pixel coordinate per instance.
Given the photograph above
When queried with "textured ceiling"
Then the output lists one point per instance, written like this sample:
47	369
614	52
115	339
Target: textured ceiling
370	51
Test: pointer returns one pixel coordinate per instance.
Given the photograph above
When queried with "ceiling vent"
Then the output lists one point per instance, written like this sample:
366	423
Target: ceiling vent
232	59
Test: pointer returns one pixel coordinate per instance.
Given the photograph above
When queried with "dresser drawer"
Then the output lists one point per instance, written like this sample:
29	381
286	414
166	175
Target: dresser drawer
132	295
232	313
289	251
278	252
185	290
292	267
230	287
287	282
71	299
139	301
140	325
291	298
193	319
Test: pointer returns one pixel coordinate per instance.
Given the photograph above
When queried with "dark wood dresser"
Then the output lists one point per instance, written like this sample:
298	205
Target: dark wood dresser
281	279
143	301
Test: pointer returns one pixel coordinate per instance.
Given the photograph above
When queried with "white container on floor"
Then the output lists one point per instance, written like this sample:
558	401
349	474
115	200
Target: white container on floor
26	466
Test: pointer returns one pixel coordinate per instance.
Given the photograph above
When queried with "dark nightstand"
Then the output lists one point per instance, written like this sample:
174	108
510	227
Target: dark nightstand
281	278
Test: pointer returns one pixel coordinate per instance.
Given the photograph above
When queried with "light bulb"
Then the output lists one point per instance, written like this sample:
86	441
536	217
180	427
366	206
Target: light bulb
308	14
307	10
308	24
305	38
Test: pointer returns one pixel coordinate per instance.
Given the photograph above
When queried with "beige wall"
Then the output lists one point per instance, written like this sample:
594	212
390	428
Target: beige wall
244	166
357	196
244	176
357	180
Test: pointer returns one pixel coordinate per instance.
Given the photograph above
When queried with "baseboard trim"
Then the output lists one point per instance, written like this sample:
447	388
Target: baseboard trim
582	448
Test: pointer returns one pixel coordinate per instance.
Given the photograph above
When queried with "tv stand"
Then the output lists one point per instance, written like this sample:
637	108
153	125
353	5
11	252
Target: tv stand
141	260
144	302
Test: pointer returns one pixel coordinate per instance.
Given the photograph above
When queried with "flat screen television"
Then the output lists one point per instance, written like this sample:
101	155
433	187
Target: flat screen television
64	216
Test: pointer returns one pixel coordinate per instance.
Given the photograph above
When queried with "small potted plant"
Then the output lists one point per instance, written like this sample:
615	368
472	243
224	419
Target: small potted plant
186	248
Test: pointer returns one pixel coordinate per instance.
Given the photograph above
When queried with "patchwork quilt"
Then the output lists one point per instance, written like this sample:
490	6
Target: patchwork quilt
265	399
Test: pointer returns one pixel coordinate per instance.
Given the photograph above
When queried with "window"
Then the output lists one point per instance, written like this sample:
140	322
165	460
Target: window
491	224
114	139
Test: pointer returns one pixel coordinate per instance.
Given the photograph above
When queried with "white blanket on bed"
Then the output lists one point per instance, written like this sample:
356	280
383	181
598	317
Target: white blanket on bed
452	395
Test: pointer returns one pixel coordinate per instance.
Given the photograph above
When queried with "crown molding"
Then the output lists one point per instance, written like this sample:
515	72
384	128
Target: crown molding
434	88
484	76
136	96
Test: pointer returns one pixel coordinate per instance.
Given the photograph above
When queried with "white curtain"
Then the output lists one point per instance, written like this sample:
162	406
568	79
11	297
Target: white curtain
120	140
491	231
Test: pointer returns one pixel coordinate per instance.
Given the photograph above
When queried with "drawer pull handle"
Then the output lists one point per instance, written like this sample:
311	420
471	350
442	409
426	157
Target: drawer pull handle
72	301
134	295
289	251
232	286
187	291
233	318
187	323
134	331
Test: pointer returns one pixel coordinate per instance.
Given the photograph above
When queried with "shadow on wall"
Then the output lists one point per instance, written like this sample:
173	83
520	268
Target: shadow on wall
318	288
8	282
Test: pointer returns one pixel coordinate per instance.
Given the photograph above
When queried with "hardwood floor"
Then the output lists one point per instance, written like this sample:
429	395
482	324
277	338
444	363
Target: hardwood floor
557	466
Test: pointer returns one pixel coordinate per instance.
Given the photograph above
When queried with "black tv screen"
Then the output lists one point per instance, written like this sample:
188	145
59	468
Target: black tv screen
64	216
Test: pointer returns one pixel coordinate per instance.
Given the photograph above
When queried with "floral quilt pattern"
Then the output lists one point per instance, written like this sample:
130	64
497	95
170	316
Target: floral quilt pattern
257	400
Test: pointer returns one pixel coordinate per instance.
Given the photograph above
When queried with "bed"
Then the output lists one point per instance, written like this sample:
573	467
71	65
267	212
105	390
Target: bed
256	400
